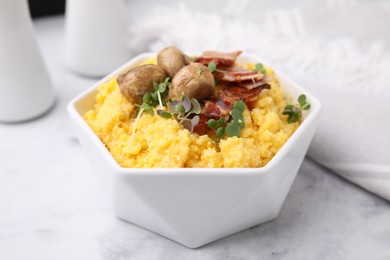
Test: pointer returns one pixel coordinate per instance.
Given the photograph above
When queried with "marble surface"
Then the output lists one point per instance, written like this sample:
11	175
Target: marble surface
51	206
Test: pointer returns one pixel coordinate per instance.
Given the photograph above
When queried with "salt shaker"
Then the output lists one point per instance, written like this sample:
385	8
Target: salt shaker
25	87
96	36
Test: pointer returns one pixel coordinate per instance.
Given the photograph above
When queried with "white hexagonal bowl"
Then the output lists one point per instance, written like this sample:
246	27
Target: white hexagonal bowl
195	206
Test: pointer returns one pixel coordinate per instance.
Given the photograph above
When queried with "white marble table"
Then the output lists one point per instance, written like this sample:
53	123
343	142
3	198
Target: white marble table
51	206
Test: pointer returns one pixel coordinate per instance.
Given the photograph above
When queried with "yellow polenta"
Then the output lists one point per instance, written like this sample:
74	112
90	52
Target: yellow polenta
160	142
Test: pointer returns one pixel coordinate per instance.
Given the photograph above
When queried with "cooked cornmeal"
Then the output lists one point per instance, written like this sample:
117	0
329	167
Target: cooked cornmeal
160	142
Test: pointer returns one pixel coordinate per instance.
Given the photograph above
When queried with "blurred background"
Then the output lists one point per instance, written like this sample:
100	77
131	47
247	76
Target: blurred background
332	17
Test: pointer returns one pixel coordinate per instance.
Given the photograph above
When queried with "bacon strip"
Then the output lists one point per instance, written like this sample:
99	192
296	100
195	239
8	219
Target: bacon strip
201	128
235	93
209	110
224	59
253	84
237	76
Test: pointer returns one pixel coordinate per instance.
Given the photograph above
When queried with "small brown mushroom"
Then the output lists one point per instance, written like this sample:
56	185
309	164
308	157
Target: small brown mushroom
194	81
171	60
135	83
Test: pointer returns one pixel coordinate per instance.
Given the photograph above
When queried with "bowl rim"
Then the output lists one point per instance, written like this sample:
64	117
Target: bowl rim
78	119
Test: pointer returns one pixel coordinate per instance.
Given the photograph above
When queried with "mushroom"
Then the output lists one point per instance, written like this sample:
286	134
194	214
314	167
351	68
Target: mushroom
138	81
194	81
171	60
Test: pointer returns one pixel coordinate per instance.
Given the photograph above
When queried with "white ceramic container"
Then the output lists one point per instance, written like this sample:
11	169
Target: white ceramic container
96	36
25	90
194	206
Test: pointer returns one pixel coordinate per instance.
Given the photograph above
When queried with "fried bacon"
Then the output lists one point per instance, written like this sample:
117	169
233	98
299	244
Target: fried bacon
209	110
237	76
221	105
223	59
213	108
254	84
238	92
227	70
237	83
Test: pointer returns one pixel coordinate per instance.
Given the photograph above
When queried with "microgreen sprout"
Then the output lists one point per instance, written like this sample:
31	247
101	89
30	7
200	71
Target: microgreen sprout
240	106
302	102
230	125
232	130
212	66
294	111
213	124
260	68
164	114
238	119
151	100
220	132
185	111
160	90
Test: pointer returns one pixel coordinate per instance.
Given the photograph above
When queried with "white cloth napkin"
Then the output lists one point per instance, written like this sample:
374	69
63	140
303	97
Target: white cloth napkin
339	53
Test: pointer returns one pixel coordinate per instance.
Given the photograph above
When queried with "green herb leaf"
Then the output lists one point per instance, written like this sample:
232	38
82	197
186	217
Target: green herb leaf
288	109
220	132
194	121
180	108
306	106
148	108
240	106
172	106
221	121
238	119
186	102
232	130
195	108
162	87
294	112
259	67
164	114
302	99
212	66
155	85
200	71
154	96
293	118
187	125
146	98
212	123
